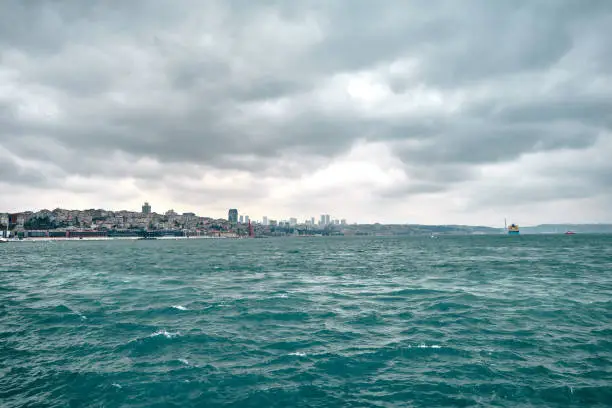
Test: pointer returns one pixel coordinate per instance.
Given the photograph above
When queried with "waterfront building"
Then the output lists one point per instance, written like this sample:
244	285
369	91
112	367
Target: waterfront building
232	215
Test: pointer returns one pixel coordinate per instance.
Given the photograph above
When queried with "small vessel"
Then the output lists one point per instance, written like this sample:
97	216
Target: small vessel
569	232
512	229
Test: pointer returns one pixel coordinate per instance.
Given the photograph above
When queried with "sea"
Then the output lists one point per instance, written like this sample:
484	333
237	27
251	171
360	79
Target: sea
502	321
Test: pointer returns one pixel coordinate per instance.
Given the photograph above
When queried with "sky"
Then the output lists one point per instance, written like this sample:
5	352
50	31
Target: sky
432	112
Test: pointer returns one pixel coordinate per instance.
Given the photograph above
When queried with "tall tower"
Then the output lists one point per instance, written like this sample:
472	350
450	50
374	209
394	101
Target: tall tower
232	215
146	208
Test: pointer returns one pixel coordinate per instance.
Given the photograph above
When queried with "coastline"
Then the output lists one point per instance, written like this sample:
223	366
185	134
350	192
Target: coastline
55	239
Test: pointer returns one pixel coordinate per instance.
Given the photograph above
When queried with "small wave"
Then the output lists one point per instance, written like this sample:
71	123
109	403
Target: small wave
116	385
184	361
425	346
179	307
298	353
165	333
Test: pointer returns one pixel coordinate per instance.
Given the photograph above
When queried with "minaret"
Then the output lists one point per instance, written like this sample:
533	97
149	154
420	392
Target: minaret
251	232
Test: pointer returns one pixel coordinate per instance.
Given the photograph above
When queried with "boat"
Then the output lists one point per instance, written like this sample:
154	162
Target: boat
512	229
569	232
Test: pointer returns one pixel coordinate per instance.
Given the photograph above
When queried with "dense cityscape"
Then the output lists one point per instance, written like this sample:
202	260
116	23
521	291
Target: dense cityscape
99	223
146	224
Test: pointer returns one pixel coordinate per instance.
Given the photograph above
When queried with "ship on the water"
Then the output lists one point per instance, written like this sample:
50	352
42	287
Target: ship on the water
512	229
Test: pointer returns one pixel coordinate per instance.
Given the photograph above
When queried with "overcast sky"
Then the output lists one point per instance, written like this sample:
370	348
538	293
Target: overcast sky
389	111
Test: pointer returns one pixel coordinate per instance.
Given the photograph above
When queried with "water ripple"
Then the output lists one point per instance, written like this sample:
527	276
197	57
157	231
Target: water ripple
368	322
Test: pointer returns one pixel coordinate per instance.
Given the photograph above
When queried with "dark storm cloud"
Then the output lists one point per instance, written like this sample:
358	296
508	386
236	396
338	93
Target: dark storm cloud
13	173
233	85
483	142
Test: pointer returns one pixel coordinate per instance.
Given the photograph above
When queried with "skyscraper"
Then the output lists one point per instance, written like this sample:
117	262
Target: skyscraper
146	208
232	215
265	220
242	219
247	219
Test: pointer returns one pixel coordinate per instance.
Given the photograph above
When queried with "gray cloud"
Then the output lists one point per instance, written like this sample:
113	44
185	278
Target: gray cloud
248	87
13	173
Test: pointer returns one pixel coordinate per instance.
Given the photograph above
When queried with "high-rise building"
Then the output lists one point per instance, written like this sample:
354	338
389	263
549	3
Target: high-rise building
293	222
146	208
232	215
322	220
312	221
265	220
327	219
343	222
241	219
247	219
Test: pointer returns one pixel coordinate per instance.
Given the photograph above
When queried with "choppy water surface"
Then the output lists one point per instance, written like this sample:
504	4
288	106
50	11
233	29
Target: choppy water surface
322	322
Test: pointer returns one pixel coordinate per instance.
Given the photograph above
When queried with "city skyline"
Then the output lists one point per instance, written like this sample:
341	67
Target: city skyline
234	215
390	112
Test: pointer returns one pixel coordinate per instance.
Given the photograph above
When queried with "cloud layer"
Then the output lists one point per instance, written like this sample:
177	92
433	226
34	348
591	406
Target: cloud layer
374	111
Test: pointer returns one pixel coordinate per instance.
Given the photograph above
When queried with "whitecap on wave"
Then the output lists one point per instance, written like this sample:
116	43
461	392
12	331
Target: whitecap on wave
179	307
423	345
165	333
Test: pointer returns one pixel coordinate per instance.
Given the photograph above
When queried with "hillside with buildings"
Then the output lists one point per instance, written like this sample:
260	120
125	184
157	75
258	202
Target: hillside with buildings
105	223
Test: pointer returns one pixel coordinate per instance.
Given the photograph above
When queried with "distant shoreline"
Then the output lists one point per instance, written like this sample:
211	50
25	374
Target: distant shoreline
184	238
54	239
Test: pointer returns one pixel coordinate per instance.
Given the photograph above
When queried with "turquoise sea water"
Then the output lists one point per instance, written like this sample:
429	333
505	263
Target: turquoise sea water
313	322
